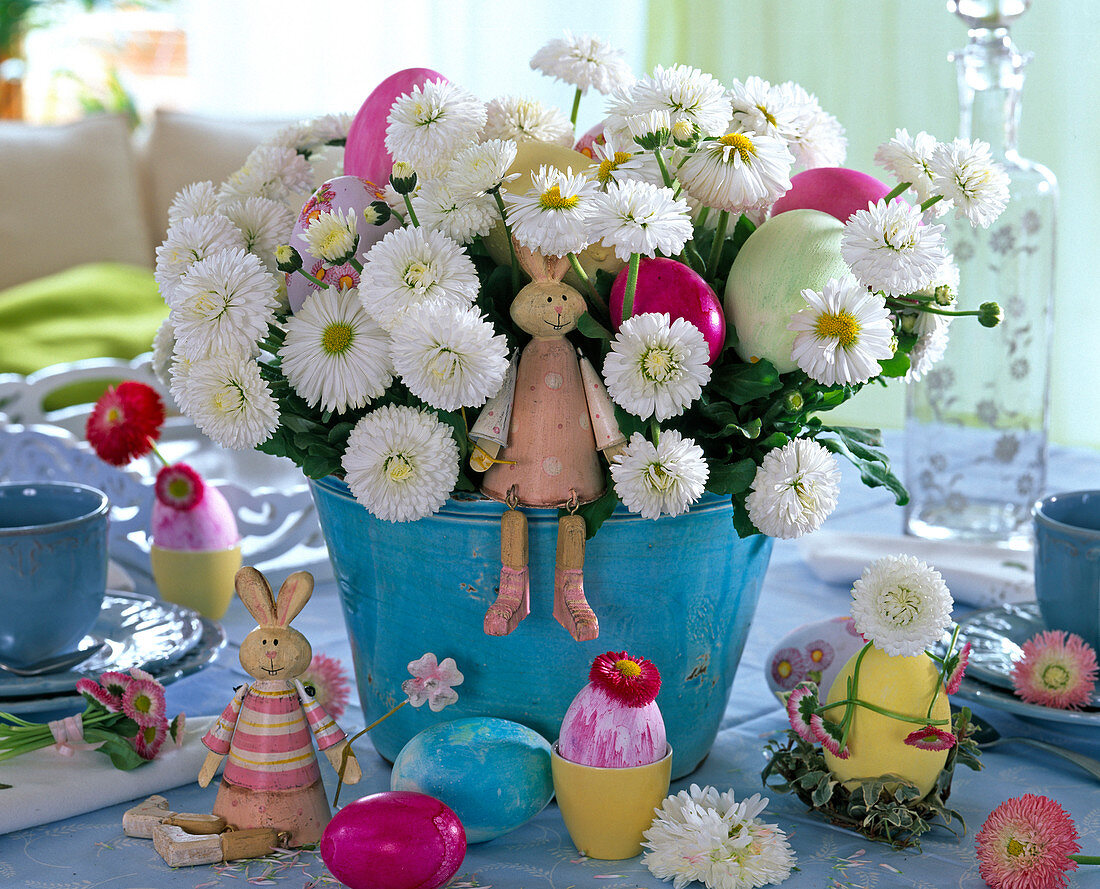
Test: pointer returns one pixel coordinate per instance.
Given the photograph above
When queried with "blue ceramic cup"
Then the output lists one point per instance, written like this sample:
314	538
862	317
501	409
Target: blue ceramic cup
53	567
1067	562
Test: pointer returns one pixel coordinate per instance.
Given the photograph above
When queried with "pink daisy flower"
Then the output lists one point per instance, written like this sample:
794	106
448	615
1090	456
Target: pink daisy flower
820	654
801	704
115	685
179	487
176	729
95	692
144	703
150	738
634	681
788	668
931	738
432	682
1027	843
1058	669
326	679
829	735
959	671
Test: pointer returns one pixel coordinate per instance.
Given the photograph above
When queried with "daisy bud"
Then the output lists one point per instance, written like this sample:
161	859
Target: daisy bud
794	402
650	130
287	259
403	178
378	213
990	314
685	134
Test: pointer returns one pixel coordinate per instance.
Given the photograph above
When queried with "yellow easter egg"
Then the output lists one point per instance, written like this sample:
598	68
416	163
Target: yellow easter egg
529	157
876	743
790	252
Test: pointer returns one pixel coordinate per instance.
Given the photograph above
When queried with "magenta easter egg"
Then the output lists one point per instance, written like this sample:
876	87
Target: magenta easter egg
837	191
344	193
394	840
365	153
665	285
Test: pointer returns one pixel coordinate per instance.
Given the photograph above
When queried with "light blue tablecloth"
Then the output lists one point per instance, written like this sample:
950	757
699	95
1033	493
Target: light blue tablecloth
91	850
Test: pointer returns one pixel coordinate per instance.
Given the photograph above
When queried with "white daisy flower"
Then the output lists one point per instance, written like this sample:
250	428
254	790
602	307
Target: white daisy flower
223	305
759	107
615	161
965	173
685	93
196	199
524	119
818	137
461	216
901	605
583	61
164	348
656	368
179	373
928	350
230	402
706	836
908	158
662	479
430	124
449	356
401	463
484	168
264	224
888	247
738	172
294	135
189	240
550	218
410	265
794	490
843	333
333	236
335	355
330	128
636	217
269	171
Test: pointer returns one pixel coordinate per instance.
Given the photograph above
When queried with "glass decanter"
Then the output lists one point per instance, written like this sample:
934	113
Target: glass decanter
976	425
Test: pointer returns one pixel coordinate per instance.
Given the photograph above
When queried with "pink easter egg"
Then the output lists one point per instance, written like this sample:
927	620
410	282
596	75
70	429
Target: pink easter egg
394	840
343	193
837	191
365	153
209	524
665	285
600	731
593	137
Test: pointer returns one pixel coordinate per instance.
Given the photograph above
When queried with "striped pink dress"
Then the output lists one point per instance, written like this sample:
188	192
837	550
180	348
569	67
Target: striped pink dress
271	778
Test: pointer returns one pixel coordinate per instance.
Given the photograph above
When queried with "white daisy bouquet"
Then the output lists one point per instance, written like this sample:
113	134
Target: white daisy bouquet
738	283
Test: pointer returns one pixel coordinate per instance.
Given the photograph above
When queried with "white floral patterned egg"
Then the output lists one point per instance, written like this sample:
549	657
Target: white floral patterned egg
342	194
815	651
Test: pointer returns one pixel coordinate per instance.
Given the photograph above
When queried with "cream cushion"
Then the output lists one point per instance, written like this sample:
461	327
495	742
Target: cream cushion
68	195
183	148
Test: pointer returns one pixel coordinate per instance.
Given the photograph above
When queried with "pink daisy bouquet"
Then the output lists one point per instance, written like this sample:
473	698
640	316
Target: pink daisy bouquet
343	299
124	718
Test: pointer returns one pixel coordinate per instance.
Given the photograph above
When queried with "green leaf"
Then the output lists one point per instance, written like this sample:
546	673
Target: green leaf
592	328
120	751
864	435
598	511
300	424
898	366
731	478
742	383
742	524
455	421
823	792
872	473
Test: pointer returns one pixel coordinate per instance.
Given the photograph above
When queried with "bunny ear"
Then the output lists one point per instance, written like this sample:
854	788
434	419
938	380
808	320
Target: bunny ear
538	267
255	592
293	595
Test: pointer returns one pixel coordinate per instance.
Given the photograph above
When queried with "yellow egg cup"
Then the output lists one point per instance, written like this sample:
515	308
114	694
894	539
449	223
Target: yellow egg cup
200	579
606	811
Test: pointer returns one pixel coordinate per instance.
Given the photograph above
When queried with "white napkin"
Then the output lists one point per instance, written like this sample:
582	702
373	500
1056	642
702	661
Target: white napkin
977	574
46	786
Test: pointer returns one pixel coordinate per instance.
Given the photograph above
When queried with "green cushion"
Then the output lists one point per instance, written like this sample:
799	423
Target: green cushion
99	310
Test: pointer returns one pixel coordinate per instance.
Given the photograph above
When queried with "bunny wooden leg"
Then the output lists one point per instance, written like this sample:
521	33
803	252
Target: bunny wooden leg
513	602
570	606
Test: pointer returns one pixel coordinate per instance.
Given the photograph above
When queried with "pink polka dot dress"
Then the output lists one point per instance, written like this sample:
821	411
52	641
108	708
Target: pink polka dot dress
550	442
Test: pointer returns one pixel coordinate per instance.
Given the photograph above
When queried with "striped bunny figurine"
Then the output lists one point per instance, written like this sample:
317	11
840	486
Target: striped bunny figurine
272	778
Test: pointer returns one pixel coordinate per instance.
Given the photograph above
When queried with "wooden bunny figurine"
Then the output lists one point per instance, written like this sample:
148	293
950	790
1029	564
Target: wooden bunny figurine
271	778
559	416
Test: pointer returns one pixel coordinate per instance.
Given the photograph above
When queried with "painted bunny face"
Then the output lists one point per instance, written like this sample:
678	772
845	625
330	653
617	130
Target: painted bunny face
275	653
547	309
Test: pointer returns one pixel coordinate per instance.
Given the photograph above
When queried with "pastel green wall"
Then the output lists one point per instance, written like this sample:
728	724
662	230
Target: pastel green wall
882	65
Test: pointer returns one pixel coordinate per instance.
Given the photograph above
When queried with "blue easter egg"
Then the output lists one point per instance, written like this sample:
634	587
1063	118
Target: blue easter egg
494	773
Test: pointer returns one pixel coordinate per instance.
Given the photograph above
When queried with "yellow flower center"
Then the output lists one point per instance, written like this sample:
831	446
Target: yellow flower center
841	326
628	668
901	606
179	488
659	365
346	282
1015	847
143	703
149	733
331	240
1055	676
658	478
551	199
784	669
398	468
417	274
740	143
610	165
114	416
337	338
768	116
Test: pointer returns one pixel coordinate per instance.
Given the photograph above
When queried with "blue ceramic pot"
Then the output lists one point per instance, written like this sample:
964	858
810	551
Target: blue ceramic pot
679	591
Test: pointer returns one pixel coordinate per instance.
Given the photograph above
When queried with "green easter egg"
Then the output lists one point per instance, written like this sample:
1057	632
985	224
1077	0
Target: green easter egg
790	252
